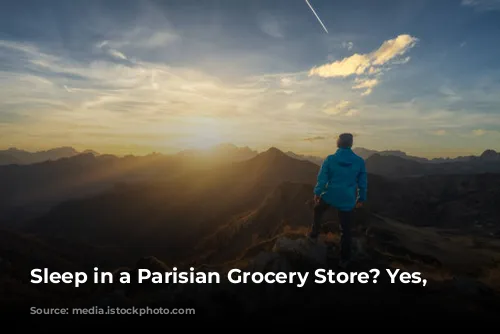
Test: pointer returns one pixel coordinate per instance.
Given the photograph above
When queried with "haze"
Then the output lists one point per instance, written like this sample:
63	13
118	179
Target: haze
142	76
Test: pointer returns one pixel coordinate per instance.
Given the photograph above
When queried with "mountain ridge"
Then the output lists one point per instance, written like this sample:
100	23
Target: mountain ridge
225	150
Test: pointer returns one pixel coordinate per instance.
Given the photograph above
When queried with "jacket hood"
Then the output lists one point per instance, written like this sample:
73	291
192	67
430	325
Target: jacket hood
344	156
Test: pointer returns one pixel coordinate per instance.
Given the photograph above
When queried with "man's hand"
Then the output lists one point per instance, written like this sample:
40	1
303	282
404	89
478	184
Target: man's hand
316	199
359	205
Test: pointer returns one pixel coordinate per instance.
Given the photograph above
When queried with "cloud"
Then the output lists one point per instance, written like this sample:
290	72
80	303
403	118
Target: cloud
117	54
154	105
450	94
143	38
287	81
359	63
104	89
316	138
482	5
478	132
355	64
352	112
393	48
270	25
348	45
370	63
295	105
440	132
339	108
367	84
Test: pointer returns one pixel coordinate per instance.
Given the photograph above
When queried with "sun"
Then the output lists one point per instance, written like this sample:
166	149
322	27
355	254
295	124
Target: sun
205	142
206	135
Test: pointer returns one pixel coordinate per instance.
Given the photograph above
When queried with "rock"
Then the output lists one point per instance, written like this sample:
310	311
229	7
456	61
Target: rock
359	251
262	260
314	252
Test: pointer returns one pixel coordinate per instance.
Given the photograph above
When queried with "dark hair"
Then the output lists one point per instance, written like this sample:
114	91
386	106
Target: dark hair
345	140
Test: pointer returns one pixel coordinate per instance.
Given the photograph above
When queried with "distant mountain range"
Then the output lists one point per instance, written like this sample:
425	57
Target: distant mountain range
222	153
366	153
49	176
21	157
394	166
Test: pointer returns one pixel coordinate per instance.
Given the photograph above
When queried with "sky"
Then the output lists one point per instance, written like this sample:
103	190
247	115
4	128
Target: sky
135	77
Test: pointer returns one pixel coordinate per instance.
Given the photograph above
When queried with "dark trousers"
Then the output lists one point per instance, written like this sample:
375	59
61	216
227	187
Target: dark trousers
344	223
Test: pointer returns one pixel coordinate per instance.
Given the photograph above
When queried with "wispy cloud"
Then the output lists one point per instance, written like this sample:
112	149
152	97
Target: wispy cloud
152	88
348	45
369	63
316	138
270	25
340	108
440	132
295	105
367	84
482	5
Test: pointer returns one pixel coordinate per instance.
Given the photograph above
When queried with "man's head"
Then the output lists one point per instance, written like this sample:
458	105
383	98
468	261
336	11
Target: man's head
345	140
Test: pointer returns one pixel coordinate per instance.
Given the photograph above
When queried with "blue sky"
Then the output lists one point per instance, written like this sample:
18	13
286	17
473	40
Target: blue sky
141	76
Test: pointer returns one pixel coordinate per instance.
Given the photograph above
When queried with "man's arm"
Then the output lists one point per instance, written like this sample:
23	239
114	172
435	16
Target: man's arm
322	179
362	183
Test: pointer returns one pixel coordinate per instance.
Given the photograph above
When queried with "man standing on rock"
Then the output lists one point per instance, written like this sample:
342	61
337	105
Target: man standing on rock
342	184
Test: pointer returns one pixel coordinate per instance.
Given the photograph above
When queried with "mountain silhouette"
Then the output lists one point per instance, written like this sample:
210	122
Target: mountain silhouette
398	166
17	156
29	191
391	165
314	159
367	153
490	155
151	213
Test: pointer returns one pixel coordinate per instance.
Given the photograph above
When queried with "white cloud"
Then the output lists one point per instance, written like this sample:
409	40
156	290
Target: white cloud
393	48
355	64
370	63
374	70
117	54
401	61
358	63
339	108
365	83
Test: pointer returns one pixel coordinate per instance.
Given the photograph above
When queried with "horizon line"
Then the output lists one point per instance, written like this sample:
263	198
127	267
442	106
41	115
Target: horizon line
257	151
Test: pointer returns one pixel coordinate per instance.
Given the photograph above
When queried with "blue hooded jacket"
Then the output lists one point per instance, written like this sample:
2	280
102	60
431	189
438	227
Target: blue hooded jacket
342	180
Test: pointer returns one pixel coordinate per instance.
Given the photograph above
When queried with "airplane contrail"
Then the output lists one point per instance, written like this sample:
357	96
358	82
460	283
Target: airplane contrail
314	12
